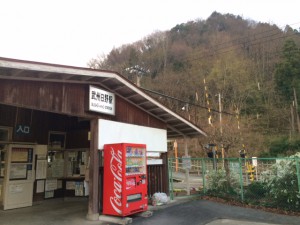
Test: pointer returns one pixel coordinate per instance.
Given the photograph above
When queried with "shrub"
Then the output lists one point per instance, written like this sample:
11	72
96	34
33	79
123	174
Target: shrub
282	184
255	190
221	185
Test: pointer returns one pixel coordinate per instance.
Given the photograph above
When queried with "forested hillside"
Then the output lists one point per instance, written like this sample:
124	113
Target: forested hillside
248	70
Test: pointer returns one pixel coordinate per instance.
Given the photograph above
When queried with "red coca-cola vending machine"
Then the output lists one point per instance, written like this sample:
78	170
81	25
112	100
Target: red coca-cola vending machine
125	179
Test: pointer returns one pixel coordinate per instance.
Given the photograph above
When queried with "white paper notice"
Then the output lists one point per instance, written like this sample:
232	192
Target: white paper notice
40	186
70	185
41	169
59	184
51	185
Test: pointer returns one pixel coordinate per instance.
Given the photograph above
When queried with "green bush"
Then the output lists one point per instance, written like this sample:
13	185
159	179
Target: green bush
219	184
282	184
256	190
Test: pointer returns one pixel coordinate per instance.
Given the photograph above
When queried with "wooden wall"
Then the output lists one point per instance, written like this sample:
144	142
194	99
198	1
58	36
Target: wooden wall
41	123
61	98
68	99
128	113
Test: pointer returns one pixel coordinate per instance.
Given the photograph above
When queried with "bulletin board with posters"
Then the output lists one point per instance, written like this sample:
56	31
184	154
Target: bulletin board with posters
19	176
20	165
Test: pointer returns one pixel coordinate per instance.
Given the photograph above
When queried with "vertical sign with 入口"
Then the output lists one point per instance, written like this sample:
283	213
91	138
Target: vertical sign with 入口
101	101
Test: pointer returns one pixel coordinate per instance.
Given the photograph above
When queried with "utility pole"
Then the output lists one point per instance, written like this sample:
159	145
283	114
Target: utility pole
139	71
297	115
221	127
292	122
220	114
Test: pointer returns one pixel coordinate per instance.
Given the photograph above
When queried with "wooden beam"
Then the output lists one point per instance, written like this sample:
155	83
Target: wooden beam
93	206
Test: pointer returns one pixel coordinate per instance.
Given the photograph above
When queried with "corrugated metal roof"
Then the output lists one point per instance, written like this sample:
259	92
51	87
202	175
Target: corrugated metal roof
177	126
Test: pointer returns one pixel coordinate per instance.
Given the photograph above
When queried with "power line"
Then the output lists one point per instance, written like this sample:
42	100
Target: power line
186	102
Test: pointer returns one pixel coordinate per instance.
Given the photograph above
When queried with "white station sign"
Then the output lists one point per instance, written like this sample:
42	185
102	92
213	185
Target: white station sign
101	101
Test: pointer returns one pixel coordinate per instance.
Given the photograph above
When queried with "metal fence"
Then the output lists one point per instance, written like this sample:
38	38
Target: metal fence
268	182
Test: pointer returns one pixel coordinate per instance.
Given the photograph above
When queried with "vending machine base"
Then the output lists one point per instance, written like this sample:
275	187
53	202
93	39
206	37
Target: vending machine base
115	219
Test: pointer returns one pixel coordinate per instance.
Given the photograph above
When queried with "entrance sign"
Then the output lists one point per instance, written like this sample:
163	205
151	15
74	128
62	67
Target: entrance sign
22	129
101	101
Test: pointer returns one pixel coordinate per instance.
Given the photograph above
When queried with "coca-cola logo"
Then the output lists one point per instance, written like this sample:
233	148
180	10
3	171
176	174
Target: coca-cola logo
116	170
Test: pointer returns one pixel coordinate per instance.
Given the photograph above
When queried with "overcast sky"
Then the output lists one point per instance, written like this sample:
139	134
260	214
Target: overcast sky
71	32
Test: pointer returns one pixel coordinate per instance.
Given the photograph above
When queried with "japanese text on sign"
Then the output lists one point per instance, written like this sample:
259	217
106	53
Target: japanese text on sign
22	129
101	101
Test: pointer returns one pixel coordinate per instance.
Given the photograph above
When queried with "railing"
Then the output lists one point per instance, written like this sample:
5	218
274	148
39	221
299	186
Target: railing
268	182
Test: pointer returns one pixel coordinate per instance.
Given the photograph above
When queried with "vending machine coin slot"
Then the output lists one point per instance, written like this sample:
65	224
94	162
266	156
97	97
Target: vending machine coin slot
143	176
134	198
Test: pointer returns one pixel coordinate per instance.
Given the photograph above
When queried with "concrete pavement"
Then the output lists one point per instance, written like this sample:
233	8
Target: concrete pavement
235	222
181	211
203	212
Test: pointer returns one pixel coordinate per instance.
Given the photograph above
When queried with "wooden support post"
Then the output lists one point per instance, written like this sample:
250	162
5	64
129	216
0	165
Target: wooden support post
176	155
165	172
187	171
93	206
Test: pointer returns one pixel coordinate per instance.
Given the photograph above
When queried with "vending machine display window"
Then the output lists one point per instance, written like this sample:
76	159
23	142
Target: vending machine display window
135	163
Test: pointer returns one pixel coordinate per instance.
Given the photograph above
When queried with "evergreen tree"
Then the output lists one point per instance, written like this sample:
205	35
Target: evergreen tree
288	71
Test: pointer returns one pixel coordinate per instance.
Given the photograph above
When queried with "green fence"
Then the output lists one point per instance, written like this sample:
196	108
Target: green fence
268	182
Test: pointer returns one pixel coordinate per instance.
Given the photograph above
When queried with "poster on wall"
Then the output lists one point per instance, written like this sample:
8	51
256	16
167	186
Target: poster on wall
41	169
19	155
70	185
40	186
57	168
49	194
18	171
51	185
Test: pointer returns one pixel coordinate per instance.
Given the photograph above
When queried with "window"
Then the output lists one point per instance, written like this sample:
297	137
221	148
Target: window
57	140
5	136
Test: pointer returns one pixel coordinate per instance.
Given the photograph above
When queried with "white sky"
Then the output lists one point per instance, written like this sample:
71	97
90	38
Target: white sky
71	32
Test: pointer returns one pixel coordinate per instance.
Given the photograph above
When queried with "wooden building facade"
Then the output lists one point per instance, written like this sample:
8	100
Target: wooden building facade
44	98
